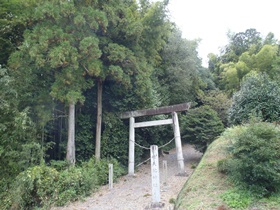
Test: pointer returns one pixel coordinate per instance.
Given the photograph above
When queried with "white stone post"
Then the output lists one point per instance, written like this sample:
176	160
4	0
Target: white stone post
155	175
164	167
111	176
131	146
178	143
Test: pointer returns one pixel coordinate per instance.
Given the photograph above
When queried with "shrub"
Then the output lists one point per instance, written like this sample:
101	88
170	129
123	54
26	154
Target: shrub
256	158
73	183
41	186
34	187
103	170
201	126
259	96
224	165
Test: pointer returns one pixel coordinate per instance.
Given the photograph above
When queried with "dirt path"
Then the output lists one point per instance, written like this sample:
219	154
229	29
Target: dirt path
134	193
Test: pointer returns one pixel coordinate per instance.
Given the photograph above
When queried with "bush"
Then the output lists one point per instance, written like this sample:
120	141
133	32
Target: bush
255	161
42	186
259	96
224	165
34	187
102	169
201	126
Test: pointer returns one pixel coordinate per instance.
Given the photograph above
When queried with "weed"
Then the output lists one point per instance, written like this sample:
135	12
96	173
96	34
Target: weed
235	198
172	200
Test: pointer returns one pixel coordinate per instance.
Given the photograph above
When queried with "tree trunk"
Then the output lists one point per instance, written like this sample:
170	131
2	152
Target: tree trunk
99	120
70	155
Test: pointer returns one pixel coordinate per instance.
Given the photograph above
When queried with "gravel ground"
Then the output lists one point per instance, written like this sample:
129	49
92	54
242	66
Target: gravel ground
134	192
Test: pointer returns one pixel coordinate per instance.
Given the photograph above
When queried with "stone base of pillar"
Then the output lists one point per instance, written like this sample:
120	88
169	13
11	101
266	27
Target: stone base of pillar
153	206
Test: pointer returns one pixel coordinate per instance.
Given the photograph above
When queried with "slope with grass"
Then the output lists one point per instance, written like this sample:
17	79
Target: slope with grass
207	188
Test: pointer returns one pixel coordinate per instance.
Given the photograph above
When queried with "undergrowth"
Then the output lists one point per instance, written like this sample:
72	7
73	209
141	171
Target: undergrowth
237	199
42	186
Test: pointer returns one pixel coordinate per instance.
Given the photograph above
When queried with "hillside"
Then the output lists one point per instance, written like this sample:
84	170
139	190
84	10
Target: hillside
205	187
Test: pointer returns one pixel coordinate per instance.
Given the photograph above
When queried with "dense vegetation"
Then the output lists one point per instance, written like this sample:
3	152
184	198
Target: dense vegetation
201	126
69	67
253	158
217	183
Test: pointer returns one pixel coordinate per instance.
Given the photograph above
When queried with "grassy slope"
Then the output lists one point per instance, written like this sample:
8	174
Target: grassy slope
204	188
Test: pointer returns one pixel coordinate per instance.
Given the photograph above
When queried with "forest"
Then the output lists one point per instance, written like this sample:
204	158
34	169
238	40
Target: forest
68	68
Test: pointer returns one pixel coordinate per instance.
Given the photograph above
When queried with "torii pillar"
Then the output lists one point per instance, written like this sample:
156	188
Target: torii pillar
161	110
178	143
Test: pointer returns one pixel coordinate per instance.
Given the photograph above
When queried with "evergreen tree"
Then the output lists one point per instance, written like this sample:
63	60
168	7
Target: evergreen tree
178	76
75	45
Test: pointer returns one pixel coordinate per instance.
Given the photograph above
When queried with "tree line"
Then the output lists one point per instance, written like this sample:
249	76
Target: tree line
69	67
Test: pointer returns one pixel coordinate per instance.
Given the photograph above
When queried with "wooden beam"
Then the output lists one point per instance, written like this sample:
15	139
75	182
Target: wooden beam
156	111
153	123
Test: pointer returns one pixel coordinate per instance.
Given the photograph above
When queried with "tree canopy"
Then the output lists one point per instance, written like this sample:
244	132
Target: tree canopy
74	45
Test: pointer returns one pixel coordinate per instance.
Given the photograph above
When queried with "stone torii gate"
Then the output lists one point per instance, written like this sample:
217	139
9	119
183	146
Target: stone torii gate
155	111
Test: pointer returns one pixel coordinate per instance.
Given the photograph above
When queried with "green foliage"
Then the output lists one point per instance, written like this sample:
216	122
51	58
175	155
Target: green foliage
237	199
43	186
115	138
207	79
261	62
12	25
178	77
19	148
219	102
254	162
240	43
84	137
259	96
59	165
246	52
102	170
34	187
73	44
224	166
201	126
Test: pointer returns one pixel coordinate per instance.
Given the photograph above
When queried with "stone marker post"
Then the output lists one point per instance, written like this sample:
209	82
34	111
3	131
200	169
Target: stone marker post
164	167
111	176
131	146
155	176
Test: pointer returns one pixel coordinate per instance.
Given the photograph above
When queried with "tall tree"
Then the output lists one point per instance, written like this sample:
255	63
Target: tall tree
134	38
59	50
75	44
240	43
178	75
246	52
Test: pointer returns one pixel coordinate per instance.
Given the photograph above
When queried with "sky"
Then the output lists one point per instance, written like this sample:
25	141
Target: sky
210	20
